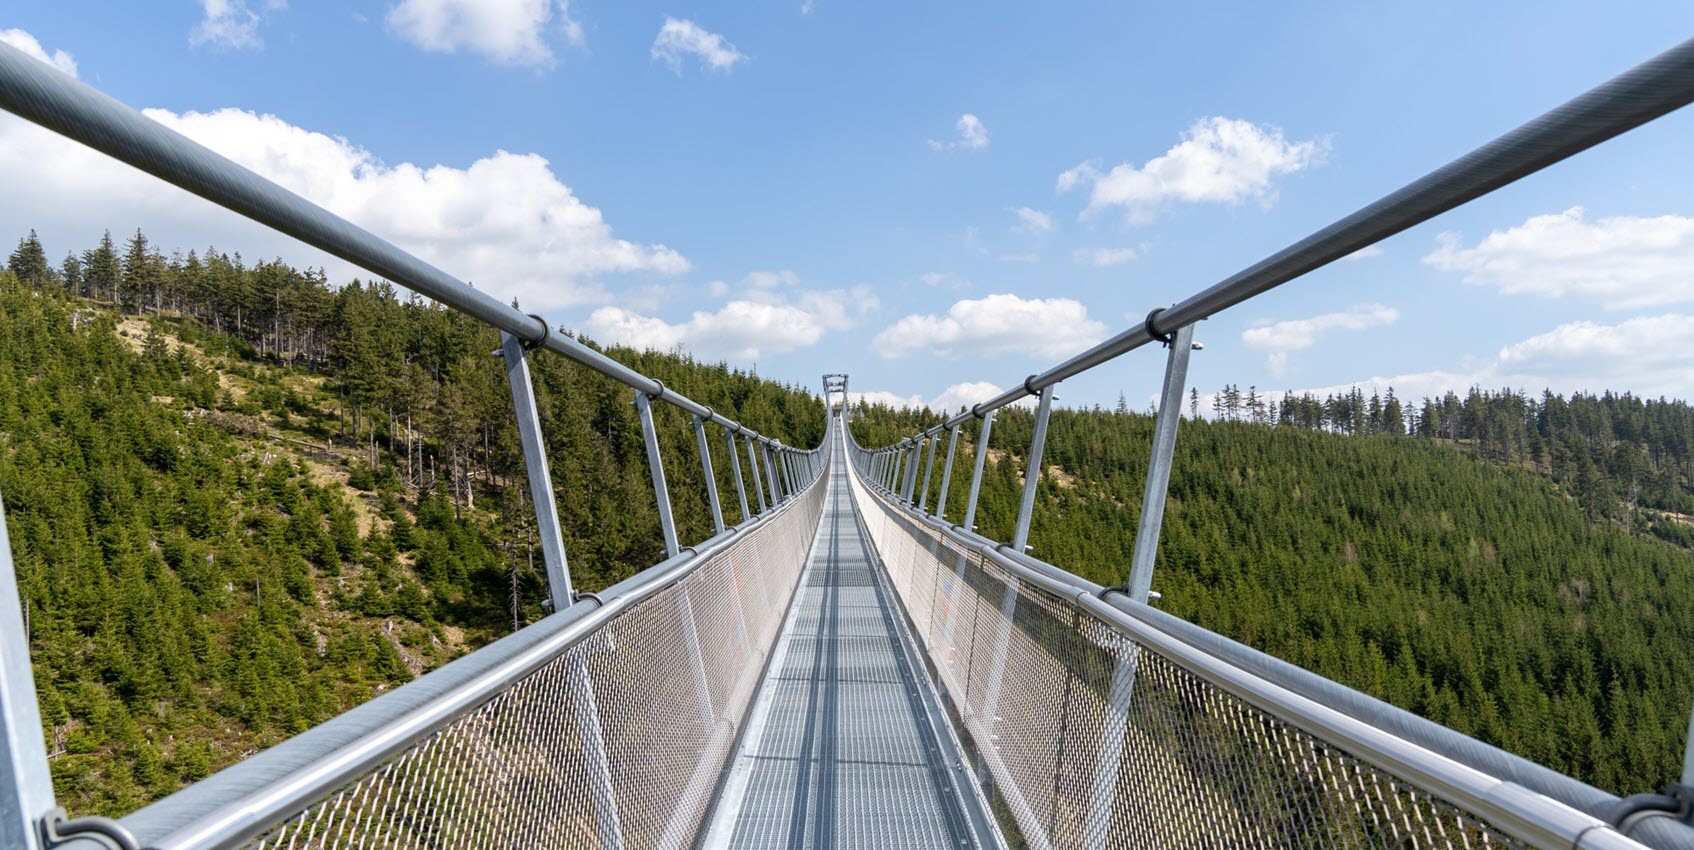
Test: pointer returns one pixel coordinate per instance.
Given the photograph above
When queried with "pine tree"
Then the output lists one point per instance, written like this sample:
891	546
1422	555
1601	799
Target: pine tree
29	262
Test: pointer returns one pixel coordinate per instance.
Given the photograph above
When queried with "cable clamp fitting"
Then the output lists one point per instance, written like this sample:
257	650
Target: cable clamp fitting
546	331
1164	339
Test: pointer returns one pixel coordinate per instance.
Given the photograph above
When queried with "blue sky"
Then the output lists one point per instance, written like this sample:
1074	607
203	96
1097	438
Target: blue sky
936	198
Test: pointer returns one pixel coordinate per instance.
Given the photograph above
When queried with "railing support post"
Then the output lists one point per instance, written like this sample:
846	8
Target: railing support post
946	474
910	473
976	474
1032	475
711	477
26	784
649	433
753	461
740	485
928	471
1110	762
1159	470
547	526
770	475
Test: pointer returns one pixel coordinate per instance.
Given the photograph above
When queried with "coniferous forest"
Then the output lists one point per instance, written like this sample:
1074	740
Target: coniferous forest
242	500
1515	567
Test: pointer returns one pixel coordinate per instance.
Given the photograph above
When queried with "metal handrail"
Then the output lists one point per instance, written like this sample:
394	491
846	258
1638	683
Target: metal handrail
1527	813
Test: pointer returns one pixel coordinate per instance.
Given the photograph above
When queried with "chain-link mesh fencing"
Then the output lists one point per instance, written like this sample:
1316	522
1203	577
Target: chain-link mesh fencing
618	742
1085	738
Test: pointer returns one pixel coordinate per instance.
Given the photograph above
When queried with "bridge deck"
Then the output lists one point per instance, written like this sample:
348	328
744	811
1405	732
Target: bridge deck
839	750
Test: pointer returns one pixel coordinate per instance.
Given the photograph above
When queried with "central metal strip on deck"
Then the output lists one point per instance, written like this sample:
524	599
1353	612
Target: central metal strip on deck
840	749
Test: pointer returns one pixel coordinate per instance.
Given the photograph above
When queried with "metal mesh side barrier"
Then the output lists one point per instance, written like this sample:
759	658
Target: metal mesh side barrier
618	742
1086	739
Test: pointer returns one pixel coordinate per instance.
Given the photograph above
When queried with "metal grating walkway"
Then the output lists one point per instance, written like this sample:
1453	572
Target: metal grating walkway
840	749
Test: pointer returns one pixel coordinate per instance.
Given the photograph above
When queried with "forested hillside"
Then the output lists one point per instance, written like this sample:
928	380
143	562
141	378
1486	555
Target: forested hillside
1486	564
242	501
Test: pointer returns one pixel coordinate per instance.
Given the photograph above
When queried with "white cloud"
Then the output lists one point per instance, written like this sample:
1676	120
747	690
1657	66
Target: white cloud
1219	160
1044	327
231	24
944	280
761	322
1279	338
1365	253
506	222
28	44
678	39
1622	261
972	135
950	400
1032	221
772	280
806	7
1104	256
510	32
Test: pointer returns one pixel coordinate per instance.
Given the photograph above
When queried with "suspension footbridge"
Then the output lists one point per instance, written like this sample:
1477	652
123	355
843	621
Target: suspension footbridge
853	665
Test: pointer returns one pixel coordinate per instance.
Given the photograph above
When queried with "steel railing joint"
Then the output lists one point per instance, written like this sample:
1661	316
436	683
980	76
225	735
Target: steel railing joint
546	333
58	828
1153	333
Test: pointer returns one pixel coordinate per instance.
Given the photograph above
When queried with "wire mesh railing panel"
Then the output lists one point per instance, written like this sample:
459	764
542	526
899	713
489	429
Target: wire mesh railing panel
1085	738
618	741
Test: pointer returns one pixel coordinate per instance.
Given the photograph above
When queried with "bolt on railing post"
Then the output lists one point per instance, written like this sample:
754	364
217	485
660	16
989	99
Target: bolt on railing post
649	433
547	526
941	498
1159	470
740	485
1116	725
711	477
1032	474
976	474
753	461
928	471
26	783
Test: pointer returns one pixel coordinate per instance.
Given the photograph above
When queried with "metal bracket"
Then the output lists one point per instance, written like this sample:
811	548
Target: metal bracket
58	828
1165	338
546	332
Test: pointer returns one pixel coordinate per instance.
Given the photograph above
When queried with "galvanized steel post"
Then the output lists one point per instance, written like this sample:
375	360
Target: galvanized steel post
740	485
547	526
753	461
976	474
928	472
1159	471
1112	731
1032	475
711	478
667	524
771	477
26	784
946	473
